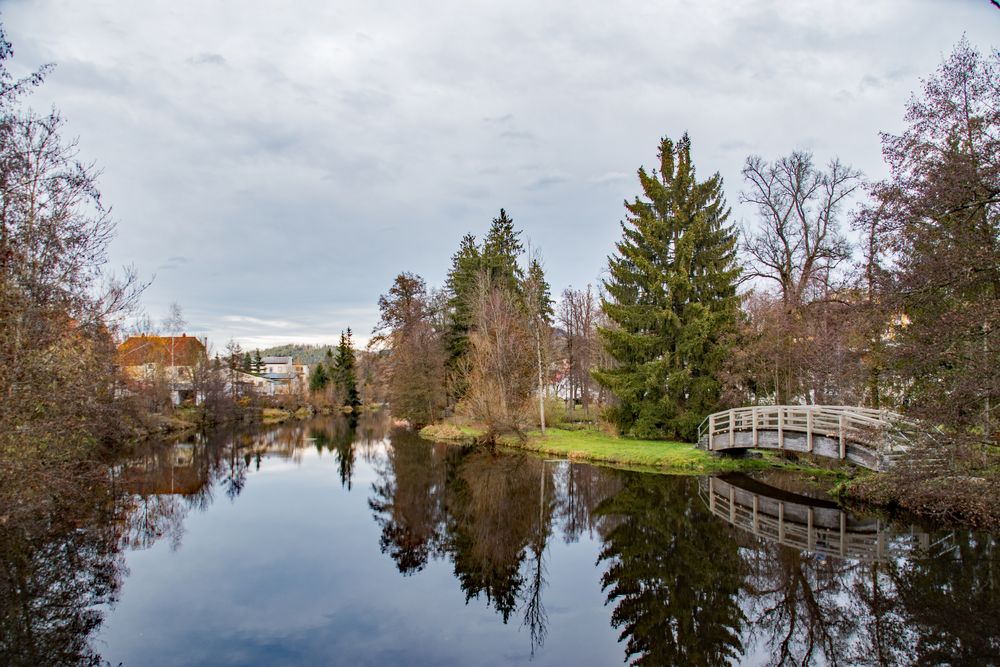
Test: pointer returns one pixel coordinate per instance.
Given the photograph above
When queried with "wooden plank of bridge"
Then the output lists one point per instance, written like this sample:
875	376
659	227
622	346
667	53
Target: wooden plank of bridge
756	524
732	504
711	494
781	522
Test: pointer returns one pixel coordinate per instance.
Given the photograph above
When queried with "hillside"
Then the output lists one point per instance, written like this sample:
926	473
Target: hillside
306	354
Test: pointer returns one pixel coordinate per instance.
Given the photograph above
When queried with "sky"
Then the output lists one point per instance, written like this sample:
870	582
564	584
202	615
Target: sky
272	166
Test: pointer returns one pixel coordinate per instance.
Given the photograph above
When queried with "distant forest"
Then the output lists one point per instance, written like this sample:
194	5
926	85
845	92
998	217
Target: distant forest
306	354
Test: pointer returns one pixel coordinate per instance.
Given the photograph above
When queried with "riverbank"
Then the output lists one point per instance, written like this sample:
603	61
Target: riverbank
947	498
591	445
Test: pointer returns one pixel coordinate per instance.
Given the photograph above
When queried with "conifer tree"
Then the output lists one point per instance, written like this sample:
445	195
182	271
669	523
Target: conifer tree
461	284
318	379
501	251
671	298
344	374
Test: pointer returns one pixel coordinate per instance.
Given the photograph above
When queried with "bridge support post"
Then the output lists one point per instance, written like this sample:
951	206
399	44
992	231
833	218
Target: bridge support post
711	432
732	429
781	427
809	430
843	436
753	415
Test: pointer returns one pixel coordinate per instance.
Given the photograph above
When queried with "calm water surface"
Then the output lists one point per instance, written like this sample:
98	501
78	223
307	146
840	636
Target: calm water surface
327	543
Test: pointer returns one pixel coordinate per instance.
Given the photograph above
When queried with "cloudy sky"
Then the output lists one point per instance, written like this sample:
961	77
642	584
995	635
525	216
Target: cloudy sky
275	164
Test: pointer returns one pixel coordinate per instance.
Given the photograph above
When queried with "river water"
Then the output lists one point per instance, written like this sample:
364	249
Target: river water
326	542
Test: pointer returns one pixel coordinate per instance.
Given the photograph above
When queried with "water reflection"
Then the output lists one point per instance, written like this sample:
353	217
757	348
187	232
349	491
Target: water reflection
688	571
59	564
674	575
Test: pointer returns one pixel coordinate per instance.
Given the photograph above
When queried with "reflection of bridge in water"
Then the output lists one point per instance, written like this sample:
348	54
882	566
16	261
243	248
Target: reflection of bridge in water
814	525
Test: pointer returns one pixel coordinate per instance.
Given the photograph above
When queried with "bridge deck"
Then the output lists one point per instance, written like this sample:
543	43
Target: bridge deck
870	438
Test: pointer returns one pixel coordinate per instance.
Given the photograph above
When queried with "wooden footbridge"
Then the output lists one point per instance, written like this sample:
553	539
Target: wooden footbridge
873	439
814	525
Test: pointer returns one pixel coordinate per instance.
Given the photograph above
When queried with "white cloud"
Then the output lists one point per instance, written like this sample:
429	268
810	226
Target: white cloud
299	158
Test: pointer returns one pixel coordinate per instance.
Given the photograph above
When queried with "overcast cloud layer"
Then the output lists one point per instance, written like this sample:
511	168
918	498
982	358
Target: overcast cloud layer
276	164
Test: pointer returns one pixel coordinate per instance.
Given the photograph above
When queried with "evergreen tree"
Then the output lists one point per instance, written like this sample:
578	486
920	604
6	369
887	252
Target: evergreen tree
501	251
461	282
247	362
538	292
344	374
258	363
318	379
671	296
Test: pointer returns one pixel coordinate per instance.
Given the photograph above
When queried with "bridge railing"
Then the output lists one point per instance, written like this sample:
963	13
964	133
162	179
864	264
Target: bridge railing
882	430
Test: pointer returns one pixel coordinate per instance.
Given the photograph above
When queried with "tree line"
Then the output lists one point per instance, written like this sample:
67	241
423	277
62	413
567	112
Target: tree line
841	290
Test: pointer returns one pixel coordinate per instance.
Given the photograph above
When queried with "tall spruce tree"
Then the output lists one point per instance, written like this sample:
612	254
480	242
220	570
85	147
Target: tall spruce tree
466	265
344	374
501	250
671	296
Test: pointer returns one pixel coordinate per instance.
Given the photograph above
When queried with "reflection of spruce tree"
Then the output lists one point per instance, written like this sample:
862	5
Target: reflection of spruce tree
492	501
406	502
674	575
953	602
343	446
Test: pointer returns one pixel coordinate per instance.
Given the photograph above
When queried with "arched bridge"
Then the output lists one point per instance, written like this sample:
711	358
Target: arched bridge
873	439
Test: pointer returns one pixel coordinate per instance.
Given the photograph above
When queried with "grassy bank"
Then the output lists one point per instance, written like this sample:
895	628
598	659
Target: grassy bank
595	446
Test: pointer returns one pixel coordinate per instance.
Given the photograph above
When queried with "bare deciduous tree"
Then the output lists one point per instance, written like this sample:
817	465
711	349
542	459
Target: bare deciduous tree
501	363
797	249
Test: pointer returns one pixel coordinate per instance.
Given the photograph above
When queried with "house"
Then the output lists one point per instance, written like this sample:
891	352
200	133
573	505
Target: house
260	385
292	377
169	359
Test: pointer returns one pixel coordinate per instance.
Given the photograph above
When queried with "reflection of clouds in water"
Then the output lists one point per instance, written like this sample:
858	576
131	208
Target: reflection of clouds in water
489	537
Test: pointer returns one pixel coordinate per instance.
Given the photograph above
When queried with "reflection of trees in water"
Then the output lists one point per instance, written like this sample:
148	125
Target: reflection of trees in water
62	560
953	602
490	514
674	575
407	501
939	609
56	566
796	603
338	435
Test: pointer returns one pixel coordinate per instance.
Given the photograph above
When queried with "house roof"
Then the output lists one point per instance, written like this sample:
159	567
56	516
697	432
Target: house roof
139	350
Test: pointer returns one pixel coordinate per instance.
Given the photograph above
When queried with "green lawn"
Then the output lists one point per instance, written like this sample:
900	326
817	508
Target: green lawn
594	445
